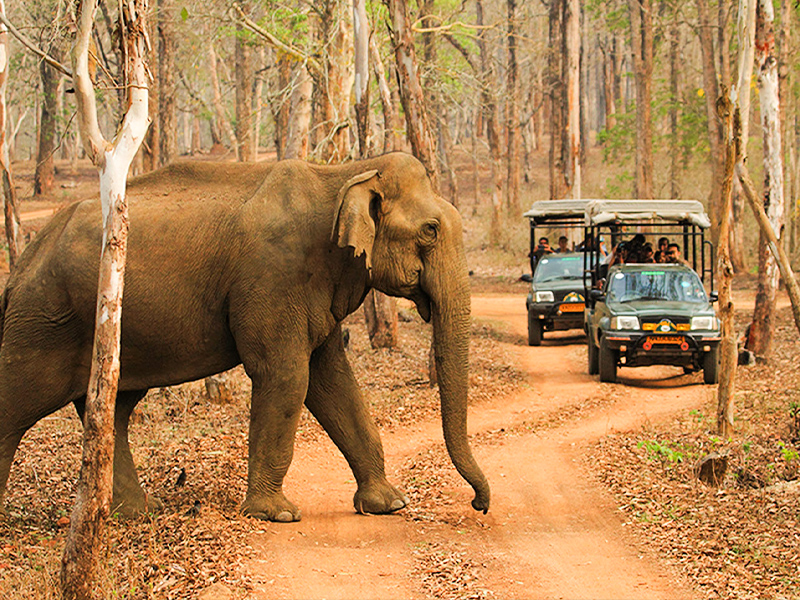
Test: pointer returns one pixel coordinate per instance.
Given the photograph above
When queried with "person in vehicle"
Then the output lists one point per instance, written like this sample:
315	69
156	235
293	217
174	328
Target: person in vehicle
648	256
662	245
563	245
542	249
674	254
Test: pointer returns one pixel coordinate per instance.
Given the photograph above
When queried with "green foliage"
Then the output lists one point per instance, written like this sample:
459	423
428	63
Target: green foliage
693	126
619	142
789	454
662	453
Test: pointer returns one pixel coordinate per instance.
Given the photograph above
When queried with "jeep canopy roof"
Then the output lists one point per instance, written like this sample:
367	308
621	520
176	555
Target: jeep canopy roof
558	211
682	211
598	211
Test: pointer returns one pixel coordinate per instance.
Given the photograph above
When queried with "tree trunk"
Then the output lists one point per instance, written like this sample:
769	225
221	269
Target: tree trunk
711	92
727	348
244	97
418	128
674	103
490	120
557	83
512	117
44	175
760	339
222	122
258	104
572	36
389	124
299	117
167	110
10	204
82	559
361	60
642	49
746	34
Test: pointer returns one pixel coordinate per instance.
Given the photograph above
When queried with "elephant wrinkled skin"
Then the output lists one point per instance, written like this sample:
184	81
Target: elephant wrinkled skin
255	264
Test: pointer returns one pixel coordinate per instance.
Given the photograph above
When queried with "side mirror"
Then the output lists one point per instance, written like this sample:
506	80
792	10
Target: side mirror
597	295
527	278
713	297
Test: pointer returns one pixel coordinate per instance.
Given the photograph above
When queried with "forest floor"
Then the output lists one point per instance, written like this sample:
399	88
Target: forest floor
594	493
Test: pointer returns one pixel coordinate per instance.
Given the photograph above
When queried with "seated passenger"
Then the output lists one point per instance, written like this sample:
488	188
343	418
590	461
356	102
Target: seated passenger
563	245
674	254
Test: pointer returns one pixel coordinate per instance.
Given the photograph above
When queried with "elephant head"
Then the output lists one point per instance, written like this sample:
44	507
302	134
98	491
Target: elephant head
412	242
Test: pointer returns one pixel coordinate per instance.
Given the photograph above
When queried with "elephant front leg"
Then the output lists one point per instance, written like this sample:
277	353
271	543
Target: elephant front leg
336	401
274	414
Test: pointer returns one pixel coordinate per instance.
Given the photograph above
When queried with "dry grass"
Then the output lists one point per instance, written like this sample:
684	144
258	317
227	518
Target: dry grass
739	540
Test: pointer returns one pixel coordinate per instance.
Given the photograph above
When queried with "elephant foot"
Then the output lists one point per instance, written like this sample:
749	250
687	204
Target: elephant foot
131	507
274	507
378	498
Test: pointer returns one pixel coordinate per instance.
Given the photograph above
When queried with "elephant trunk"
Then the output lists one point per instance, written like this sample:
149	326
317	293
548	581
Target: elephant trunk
449	292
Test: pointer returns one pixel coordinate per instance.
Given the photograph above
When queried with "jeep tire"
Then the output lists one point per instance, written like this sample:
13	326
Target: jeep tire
607	362
711	366
534	330
592	354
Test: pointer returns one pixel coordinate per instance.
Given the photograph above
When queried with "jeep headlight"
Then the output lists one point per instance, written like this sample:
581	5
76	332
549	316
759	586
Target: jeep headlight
707	322
544	296
625	322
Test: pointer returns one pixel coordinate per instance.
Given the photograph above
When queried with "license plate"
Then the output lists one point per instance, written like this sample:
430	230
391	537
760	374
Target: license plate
677	340
665	339
572	307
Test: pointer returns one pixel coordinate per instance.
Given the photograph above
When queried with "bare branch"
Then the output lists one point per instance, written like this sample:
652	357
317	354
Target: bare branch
34	48
313	65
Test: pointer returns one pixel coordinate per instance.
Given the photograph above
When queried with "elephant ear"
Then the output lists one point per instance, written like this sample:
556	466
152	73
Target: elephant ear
354	225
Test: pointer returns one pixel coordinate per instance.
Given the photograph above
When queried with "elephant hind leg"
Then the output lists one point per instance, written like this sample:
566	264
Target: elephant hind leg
129	499
9	441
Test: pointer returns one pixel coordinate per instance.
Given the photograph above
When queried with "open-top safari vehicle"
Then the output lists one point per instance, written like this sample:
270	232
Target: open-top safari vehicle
556	297
640	312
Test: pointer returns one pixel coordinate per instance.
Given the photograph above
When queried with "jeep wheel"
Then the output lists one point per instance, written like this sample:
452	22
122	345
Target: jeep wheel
607	362
711	366
592	355
534	330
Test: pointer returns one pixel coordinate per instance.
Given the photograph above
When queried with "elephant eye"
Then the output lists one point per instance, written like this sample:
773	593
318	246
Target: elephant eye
429	233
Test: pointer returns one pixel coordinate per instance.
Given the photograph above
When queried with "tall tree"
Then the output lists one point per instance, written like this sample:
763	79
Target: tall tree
729	118
642	50
572	38
489	119
83	553
761	329
512	116
563	82
10	204
418	128
167	101
711	93
244	95
44	174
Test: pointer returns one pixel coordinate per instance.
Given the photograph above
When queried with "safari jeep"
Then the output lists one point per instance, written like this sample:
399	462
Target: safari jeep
653	314
645	313
556	299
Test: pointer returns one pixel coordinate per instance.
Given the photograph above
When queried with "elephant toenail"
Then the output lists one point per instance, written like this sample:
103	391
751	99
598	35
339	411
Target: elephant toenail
397	504
284	517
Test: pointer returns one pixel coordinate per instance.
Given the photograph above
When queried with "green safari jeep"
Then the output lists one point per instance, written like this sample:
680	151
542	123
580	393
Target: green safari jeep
555	301
652	314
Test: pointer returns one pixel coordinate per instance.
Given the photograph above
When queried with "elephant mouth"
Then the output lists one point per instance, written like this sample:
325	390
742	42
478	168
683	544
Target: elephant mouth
423	304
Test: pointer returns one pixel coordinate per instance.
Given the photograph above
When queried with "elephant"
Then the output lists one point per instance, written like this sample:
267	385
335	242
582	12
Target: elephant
254	264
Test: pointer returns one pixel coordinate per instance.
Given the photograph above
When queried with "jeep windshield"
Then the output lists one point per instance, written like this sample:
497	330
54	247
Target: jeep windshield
678	285
554	267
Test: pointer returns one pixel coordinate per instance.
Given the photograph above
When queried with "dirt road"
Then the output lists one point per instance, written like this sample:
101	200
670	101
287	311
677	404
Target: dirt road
552	531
